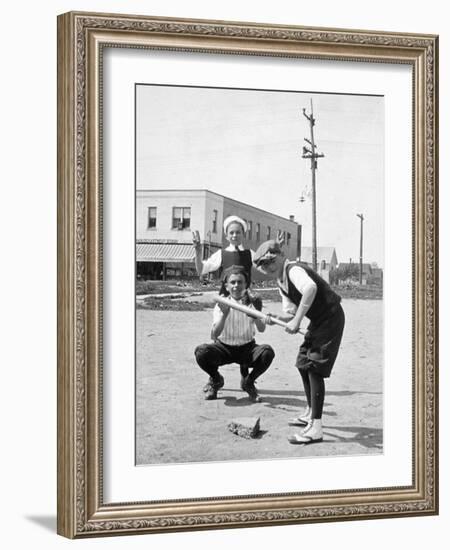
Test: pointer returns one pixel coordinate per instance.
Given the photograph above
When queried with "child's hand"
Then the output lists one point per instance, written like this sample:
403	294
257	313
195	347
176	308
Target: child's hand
292	327
268	319
224	308
280	237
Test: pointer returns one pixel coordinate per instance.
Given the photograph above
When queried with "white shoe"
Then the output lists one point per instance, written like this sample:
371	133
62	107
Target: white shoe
313	433
303	420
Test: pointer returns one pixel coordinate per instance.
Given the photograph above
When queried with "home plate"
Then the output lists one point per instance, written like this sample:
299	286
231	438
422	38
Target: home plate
247	427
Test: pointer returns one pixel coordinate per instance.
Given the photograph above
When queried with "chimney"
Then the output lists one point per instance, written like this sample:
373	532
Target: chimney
292	217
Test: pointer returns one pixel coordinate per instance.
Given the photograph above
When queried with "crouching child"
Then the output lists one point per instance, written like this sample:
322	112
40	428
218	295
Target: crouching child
233	335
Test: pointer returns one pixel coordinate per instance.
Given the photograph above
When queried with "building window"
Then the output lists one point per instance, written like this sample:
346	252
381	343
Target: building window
151	224
249	230
268	232
181	218
214	228
288	239
258	231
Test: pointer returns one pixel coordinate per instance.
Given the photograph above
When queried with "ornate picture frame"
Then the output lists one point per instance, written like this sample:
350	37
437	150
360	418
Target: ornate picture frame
82	509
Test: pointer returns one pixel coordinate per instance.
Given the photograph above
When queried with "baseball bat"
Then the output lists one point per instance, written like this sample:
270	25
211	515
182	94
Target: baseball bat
249	311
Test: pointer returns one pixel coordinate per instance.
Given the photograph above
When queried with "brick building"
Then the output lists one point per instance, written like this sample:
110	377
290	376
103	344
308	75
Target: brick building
165	220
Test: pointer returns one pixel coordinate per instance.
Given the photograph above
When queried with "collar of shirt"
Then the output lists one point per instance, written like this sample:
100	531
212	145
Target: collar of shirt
283	280
232	247
236	301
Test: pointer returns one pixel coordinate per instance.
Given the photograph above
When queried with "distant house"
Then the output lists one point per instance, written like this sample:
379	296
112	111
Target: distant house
370	275
326	259
376	277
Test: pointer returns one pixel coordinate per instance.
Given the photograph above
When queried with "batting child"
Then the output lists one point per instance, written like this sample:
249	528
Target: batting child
305	294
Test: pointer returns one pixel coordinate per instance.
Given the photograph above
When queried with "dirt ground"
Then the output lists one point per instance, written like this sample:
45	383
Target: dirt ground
174	423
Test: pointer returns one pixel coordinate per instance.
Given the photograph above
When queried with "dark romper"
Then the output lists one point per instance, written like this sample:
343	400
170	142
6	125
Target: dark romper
242	258
323	337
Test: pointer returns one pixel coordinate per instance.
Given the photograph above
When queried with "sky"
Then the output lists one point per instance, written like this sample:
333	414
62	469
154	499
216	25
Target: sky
247	145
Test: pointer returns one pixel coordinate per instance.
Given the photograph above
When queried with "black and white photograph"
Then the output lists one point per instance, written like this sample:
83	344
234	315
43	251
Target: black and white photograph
260	256
143	143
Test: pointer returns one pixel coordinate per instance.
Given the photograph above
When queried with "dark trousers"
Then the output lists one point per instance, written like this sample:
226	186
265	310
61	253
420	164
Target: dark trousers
321	344
212	356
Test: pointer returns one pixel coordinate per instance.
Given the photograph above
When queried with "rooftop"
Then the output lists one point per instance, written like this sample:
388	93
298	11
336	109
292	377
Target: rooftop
217	195
323	253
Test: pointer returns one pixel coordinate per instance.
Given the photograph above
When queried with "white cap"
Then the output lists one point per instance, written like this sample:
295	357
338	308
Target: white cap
234	219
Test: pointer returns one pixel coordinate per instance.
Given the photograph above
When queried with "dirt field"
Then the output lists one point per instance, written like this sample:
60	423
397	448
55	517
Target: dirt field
175	424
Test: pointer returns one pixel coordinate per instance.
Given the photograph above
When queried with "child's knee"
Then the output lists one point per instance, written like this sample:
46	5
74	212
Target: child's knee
267	355
201	353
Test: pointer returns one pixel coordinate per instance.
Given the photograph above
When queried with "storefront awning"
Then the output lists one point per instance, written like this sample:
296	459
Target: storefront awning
156	252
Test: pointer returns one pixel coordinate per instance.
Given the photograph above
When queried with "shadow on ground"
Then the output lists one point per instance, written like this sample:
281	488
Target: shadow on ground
267	400
371	438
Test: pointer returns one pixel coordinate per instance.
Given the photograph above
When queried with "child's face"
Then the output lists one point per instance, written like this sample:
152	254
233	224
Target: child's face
235	234
271	269
236	285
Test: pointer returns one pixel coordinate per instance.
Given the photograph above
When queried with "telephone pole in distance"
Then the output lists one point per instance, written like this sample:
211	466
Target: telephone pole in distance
361	217
311	153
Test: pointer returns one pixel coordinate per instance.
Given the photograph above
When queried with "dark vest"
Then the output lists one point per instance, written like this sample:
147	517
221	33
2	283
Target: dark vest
325	299
242	258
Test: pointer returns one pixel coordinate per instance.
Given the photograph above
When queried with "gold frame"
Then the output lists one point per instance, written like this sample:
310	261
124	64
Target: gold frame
81	37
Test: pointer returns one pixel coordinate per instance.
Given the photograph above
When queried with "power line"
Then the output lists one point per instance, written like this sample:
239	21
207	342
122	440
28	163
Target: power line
311	153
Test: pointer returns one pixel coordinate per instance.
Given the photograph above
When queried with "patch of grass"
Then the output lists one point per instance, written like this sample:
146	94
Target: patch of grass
169	304
357	292
172	287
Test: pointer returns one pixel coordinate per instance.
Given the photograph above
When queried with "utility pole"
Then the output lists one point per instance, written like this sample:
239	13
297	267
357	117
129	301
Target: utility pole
361	217
208	234
310	153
